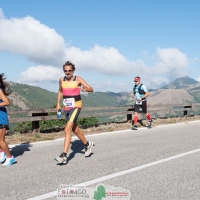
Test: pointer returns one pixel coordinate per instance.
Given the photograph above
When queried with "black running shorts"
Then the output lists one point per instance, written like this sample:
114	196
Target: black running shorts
4	126
72	115
143	106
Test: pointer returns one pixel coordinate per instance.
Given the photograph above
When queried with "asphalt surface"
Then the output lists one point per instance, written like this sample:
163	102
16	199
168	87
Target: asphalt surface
175	175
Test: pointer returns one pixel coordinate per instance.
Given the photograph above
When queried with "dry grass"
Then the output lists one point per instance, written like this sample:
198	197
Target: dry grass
18	138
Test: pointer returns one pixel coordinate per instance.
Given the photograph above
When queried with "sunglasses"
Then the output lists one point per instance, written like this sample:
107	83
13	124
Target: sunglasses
68	70
136	81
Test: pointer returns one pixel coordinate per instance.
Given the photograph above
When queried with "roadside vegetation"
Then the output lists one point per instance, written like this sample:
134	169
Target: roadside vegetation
53	125
92	127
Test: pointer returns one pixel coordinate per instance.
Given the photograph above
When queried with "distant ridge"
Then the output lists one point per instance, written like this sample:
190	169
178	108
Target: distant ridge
181	90
181	83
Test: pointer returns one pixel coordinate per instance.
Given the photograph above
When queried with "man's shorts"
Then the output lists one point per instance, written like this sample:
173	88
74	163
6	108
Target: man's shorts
143	106
4	126
72	115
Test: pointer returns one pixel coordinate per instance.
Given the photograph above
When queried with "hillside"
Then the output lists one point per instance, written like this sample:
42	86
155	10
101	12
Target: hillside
26	97
106	99
170	96
182	90
194	91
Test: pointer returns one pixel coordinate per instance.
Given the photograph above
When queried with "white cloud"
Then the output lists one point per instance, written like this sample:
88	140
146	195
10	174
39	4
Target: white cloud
108	61
40	74
30	38
153	82
198	79
104	60
44	46
171	63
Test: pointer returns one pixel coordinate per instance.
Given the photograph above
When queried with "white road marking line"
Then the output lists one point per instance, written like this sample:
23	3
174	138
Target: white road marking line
104	178
180	123
73	137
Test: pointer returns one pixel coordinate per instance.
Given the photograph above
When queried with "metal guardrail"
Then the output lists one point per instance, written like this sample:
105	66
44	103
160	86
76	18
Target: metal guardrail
37	115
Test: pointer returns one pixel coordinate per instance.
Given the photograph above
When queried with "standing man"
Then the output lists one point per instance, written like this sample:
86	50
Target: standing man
70	87
140	92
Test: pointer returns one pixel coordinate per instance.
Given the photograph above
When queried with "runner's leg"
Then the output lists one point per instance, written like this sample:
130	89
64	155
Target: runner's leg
68	136
3	144
79	133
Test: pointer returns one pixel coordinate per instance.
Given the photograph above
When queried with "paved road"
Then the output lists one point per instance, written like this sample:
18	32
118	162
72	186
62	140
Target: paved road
160	163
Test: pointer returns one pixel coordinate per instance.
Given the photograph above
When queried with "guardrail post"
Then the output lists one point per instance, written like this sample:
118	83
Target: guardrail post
36	126
185	113
132	121
130	116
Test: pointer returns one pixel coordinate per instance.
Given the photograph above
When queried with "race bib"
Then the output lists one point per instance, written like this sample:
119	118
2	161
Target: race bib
138	102
69	102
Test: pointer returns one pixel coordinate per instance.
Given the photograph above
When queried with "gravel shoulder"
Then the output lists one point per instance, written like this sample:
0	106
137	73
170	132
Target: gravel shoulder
19	138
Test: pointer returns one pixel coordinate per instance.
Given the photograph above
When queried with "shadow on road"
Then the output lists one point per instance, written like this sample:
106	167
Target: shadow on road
76	147
19	150
141	123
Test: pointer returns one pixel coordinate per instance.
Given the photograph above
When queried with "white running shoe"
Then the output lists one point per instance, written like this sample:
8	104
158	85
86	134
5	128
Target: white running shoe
2	157
61	159
88	148
9	161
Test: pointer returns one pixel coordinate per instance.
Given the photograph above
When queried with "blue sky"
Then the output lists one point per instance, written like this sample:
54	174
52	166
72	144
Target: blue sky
110	41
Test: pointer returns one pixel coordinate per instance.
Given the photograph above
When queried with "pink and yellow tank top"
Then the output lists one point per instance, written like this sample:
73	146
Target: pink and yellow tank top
71	94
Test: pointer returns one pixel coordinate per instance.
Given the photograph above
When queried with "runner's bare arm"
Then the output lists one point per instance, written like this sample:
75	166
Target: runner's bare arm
84	86
145	95
5	100
59	95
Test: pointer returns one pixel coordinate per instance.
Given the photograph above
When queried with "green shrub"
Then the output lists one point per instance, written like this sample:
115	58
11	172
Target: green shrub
87	122
49	124
25	127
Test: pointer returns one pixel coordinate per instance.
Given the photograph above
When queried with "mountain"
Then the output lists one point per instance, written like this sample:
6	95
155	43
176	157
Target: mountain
194	91
183	90
25	97
181	83
31	97
170	96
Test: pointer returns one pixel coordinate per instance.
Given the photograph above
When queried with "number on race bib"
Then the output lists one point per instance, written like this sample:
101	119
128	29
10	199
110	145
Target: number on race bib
138	102
69	102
